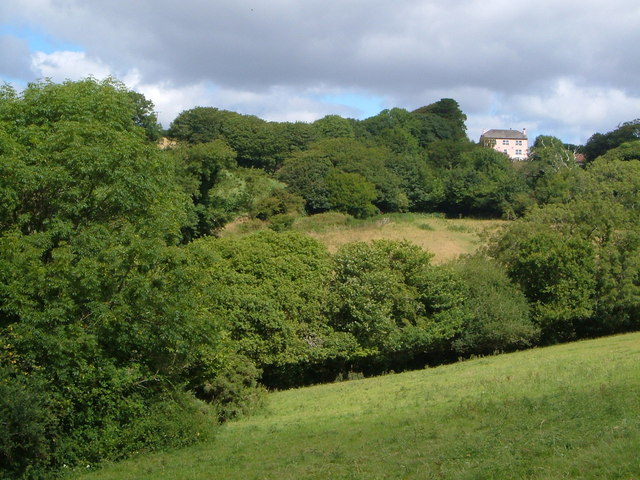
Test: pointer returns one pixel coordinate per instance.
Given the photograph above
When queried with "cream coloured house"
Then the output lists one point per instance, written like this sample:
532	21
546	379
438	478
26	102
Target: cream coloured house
512	143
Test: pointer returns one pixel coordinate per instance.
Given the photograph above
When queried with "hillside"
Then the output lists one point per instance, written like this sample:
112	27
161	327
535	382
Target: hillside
445	238
569	411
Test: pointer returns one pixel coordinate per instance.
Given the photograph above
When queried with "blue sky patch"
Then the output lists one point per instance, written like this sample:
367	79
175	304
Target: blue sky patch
39	41
366	105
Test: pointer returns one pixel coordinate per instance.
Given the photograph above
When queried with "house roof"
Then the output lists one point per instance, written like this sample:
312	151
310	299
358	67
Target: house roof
511	134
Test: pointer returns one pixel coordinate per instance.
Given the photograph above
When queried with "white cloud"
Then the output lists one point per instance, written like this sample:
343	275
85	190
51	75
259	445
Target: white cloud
580	110
570	67
64	65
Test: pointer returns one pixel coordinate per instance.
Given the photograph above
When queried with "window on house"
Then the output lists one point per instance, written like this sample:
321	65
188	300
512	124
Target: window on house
504	151
505	142
518	142
518	152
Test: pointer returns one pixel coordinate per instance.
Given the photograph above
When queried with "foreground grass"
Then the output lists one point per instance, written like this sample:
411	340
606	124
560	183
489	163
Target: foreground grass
445	238
570	411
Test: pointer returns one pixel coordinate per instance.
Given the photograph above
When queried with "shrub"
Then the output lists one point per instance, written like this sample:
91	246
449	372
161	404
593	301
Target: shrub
498	313
281	222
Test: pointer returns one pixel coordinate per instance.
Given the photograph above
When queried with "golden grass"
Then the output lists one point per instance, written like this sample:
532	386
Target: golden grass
445	238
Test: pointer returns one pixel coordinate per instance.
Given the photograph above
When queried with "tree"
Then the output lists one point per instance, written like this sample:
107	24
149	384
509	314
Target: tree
557	273
145	116
498	318
599	143
625	151
201	168
397	306
271	289
552	172
421	184
351	193
484	182
305	174
393	129
98	306
334	126
442	120
197	125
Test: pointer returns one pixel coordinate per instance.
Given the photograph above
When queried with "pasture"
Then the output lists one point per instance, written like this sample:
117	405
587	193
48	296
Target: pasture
567	411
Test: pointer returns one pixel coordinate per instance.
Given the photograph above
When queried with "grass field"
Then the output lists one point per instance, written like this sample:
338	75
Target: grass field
445	238
569	411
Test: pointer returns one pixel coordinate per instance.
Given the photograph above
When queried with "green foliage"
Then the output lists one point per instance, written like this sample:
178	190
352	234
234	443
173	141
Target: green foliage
98	308
26	419
128	332
552	172
305	175
72	156
599	143
498	317
256	142
197	125
626	151
618	285
279	203
313	174
419	182
393	301
334	126
351	193
568	411
145	116
394	129
204	169
483	182
234	389
271	289
557	273
442	120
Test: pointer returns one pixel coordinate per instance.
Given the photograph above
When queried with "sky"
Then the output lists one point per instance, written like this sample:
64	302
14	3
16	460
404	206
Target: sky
565	68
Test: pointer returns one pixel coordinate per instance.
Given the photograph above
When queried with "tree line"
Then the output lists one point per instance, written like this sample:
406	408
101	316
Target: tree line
126	325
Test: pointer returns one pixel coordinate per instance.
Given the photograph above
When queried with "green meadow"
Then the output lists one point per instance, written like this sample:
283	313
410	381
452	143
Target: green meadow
567	411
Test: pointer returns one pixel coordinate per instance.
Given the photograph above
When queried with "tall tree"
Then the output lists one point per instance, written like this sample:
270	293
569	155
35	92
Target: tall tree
97	305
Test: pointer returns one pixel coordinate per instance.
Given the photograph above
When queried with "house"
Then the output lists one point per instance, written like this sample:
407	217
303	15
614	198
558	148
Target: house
512	143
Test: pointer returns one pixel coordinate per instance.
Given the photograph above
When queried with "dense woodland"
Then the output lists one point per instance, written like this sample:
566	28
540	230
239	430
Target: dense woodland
127	325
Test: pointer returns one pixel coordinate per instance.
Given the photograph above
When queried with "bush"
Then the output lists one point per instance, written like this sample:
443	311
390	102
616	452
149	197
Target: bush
281	222
498	313
234	389
28	426
398	306
278	203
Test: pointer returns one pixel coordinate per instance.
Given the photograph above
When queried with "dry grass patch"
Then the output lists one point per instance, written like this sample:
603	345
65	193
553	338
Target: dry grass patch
445	238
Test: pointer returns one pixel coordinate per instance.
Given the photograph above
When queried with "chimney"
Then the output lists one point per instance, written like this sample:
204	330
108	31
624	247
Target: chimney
524	132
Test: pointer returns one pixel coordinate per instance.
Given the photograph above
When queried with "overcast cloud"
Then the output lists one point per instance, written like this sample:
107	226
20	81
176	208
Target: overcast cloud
565	68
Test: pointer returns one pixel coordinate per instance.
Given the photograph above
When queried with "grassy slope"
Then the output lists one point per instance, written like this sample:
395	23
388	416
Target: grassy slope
445	238
570	411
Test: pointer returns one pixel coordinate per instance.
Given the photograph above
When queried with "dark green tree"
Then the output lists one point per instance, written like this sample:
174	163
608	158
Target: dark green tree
394	302
484	182
600	143
98	307
145	116
351	193
442	120
498	317
557	273
334	126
